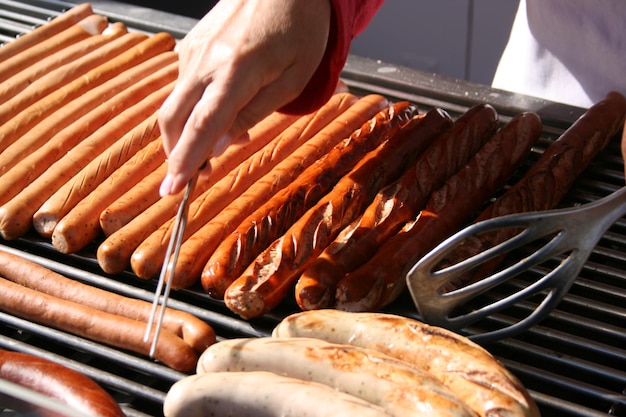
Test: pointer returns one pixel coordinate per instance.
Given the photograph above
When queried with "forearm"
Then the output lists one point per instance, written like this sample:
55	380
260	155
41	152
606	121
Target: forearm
348	19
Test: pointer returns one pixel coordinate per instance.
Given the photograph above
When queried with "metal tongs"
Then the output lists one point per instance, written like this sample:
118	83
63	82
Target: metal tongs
167	270
570	232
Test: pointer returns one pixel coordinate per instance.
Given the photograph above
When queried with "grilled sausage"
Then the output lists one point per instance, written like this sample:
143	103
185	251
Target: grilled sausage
195	332
266	282
126	226
41	68
382	278
37	35
16	216
158	210
78	319
547	181
56	381
81	225
257	394
468	370
393	206
148	257
138	133
91	25
402	390
269	220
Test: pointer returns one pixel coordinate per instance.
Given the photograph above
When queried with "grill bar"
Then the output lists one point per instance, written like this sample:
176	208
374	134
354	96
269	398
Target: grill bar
573	363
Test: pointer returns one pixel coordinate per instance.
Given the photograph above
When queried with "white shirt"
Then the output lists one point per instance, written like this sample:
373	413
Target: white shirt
568	51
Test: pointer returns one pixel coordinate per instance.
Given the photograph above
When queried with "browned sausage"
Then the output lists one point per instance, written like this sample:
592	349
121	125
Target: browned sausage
267	281
545	184
271	219
115	254
56	381
467	369
195	332
394	205
380	280
147	259
78	319
154	211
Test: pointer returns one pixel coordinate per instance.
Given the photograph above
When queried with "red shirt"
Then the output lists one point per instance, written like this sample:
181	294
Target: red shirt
349	18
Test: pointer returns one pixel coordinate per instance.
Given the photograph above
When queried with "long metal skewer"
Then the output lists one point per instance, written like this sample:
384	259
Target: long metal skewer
167	270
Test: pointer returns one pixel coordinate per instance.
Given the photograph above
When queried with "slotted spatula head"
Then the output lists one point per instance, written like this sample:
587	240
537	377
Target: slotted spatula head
538	256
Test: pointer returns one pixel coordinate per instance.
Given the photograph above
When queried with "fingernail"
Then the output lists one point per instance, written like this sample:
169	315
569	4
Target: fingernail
166	185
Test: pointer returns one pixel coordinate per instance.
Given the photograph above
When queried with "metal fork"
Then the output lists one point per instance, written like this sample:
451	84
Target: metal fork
575	232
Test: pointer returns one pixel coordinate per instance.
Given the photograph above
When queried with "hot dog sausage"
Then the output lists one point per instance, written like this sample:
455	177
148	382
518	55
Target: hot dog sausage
382	278
547	181
148	257
277	214
91	25
20	81
393	206
78	319
56	25
265	283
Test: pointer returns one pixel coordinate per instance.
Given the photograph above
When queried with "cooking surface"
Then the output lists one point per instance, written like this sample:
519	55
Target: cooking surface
573	363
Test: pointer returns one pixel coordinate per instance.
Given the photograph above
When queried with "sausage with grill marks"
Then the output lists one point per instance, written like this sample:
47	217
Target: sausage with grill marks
16	216
266	282
548	180
394	205
147	259
382	278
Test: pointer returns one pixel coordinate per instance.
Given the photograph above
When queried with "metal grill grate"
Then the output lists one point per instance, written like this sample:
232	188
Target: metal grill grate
573	363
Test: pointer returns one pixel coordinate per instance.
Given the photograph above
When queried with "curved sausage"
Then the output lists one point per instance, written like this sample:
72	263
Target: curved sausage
195	332
465	368
255	394
364	373
56	381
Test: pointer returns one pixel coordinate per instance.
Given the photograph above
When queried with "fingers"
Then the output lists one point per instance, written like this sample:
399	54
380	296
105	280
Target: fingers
230	80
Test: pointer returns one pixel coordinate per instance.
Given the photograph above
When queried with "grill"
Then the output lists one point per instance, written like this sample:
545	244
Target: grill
573	363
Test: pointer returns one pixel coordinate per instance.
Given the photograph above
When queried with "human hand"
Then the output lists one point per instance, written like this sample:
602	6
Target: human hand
242	61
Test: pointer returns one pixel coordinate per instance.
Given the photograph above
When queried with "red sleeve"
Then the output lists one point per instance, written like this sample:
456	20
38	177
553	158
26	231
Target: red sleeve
349	18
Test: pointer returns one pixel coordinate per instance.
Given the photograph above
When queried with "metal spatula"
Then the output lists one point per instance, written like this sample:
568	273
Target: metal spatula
571	233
